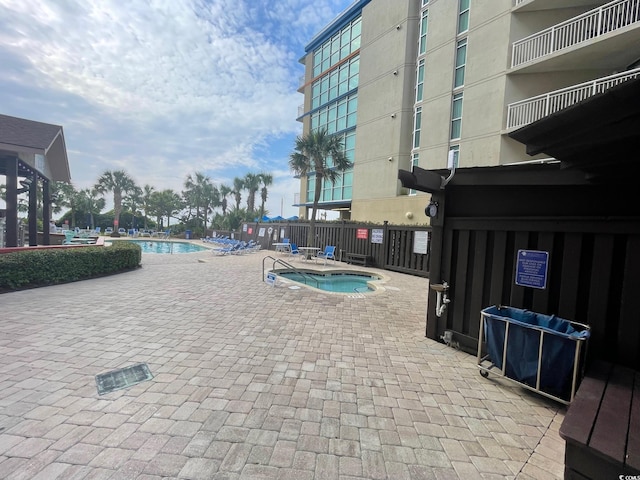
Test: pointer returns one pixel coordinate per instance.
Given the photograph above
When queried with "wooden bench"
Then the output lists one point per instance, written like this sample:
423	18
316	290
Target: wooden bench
357	258
602	425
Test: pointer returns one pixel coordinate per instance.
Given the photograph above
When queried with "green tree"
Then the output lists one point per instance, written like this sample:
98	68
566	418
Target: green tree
165	203
224	191
238	186
146	202
267	180
89	203
68	197
252	184
199	196
322	155
132	202
118	182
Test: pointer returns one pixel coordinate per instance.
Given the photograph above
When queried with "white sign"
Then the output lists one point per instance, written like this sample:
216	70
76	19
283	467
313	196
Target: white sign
420	242
271	279
244	227
282	233
377	234
261	232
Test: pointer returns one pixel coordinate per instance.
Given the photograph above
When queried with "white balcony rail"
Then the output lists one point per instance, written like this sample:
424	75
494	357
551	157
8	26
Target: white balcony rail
607	18
300	110
518	2
301	81
528	111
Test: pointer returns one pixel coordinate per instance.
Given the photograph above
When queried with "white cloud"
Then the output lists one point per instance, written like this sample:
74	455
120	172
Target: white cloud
162	88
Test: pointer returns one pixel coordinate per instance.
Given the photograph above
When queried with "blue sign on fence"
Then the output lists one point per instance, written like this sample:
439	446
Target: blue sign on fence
531	268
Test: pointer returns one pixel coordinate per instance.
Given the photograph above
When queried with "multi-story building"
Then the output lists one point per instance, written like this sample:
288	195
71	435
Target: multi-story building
431	83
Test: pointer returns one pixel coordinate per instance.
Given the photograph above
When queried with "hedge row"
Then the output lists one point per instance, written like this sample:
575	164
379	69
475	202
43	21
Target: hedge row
38	268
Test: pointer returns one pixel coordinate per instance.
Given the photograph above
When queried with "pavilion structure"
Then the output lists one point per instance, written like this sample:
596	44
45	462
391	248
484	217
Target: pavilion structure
32	155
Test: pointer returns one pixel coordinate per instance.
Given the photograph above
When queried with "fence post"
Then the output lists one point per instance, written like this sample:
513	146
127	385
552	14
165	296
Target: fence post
385	244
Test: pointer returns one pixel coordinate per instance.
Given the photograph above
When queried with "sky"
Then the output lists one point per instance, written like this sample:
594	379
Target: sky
164	88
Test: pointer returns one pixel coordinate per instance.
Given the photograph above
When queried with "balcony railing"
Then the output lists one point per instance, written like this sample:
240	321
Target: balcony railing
300	110
301	82
528	111
607	18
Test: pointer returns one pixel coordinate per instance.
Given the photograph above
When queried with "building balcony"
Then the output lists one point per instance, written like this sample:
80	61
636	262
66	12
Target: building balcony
601	36
300	110
529	110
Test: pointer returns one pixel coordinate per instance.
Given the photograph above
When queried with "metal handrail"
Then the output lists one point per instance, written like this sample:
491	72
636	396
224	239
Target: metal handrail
531	109
288	266
604	19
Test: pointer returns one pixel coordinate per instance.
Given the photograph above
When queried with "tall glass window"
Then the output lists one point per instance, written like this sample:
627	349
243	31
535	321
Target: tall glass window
340	46
336	83
415	158
425	2
455	151
341	189
420	81
417	127
461	60
423	32
463	16
456	116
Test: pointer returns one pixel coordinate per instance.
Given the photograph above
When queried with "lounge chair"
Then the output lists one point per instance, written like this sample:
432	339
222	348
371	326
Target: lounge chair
327	254
294	250
122	231
108	231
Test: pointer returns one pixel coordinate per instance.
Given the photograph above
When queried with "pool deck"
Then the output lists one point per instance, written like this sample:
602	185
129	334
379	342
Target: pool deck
253	382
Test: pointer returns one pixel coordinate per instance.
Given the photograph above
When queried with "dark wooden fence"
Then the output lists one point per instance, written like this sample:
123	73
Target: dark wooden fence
390	247
594	257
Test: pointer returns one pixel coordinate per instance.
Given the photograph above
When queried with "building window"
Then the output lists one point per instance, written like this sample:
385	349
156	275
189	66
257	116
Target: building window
420	81
417	127
454	150
414	163
461	60
456	116
338	47
425	2
463	16
423	32
336	83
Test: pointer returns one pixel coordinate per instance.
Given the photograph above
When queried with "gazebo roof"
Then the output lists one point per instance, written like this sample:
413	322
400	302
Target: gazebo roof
18	135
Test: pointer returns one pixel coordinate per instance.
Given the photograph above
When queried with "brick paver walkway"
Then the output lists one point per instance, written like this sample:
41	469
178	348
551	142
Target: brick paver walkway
252	382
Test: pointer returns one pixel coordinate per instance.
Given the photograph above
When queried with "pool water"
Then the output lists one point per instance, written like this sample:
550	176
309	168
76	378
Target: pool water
333	282
155	246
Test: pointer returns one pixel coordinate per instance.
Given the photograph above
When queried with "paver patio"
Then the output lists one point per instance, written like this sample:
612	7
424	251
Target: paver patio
252	382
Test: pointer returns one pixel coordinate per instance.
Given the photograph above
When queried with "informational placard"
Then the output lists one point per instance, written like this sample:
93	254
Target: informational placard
377	235
261	232
420	242
362	233
250	230
531	268
244	227
282	233
271	279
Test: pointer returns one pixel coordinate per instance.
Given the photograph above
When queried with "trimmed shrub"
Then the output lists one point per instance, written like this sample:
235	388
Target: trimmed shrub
38	268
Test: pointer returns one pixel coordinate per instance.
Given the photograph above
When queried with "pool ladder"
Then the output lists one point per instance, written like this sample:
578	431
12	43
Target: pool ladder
288	266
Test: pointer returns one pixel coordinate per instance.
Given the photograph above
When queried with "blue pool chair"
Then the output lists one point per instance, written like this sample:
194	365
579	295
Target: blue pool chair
328	254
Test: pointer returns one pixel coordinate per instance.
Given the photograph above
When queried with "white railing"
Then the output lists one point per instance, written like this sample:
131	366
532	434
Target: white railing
301	82
300	110
607	18
518	2
528	111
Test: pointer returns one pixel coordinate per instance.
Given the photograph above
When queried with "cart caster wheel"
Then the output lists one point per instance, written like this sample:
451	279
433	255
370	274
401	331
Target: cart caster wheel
484	373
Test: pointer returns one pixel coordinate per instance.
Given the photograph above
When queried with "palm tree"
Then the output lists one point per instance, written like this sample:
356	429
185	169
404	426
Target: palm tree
320	154
68	197
198	193
118	182
252	184
146	202
132	202
166	203
211	197
267	180
225	191
238	185
90	202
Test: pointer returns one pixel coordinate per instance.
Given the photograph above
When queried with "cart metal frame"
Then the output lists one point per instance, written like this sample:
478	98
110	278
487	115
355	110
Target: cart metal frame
486	366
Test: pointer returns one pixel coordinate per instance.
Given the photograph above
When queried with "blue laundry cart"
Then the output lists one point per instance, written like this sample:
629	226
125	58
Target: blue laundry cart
543	353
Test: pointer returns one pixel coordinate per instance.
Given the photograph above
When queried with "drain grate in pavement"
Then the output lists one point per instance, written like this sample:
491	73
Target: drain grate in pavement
122	378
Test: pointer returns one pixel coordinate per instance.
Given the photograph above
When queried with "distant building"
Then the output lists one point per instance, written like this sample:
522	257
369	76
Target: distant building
424	82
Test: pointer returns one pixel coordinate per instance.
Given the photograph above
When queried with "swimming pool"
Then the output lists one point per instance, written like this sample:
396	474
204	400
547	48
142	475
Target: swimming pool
340	282
158	246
